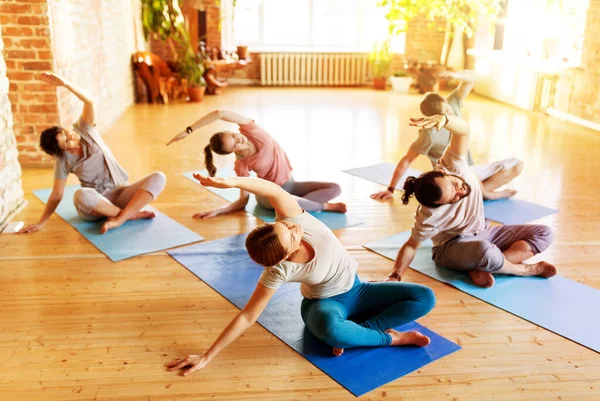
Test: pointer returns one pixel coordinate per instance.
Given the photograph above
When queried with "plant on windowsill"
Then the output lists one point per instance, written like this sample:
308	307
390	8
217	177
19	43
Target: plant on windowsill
380	61
401	82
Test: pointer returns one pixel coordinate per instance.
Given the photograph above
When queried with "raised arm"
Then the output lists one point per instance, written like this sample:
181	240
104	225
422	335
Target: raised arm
284	204
213	116
467	78
242	322
88	115
406	254
58	190
401	168
459	128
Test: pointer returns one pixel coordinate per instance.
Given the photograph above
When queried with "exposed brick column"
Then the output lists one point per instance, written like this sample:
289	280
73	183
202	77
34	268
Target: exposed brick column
11	188
27	50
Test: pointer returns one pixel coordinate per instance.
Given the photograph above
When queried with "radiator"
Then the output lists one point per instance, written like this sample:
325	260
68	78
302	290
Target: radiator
313	69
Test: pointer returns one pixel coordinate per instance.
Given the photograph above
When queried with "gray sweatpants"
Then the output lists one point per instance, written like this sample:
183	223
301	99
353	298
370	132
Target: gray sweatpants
86	199
310	195
484	251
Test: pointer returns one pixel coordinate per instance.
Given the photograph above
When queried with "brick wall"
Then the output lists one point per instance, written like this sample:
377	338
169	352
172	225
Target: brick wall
11	189
92	43
424	43
27	50
577	89
88	42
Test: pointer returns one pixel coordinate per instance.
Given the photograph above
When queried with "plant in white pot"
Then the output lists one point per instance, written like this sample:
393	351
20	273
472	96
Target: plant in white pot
401	82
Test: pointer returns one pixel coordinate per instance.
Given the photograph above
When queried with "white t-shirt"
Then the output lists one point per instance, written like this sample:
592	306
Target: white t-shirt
464	217
331	272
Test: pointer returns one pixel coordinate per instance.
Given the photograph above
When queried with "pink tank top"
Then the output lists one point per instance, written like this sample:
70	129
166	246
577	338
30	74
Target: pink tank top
269	162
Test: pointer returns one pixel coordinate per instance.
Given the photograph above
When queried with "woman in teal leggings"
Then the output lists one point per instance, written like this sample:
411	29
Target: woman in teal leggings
337	308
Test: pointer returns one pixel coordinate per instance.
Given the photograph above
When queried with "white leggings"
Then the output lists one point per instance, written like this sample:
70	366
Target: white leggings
86	199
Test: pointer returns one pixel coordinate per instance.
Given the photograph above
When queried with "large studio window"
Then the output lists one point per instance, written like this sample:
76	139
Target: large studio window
306	25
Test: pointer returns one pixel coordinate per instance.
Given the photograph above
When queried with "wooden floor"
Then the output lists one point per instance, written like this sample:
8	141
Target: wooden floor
76	326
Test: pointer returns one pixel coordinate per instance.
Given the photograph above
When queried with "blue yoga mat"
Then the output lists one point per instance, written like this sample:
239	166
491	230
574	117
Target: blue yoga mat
515	211
558	304
225	266
505	211
334	221
132	238
382	174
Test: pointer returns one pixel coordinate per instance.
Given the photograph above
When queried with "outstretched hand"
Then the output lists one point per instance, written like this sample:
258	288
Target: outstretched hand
447	74
383	195
196	362
52	78
32	228
215	182
438	121
178	137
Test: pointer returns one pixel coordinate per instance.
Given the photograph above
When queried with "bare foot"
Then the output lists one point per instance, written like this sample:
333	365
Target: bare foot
543	269
504	194
335	207
338	351
143	214
481	278
114	222
408	338
110	223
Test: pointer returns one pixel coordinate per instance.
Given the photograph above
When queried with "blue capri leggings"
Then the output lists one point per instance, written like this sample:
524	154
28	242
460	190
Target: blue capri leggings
358	317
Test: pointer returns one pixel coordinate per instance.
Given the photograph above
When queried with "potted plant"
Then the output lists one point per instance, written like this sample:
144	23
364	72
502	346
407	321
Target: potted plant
191	68
380	61
401	81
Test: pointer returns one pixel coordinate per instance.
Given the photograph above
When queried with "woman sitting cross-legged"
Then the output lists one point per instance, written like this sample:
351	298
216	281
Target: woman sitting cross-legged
450	212
338	307
105	192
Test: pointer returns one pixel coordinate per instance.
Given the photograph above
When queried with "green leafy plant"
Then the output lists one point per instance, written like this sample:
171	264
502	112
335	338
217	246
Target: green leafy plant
401	74
380	59
191	67
163	20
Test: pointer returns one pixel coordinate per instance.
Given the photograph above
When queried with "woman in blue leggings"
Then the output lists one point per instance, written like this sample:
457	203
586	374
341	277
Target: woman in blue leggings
337	308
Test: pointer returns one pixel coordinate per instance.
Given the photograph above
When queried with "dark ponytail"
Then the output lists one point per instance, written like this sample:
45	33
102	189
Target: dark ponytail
208	161
409	189
425	188
216	145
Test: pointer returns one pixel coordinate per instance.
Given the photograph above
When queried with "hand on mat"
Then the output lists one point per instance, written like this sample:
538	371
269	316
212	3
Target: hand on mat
32	228
214	181
383	195
394	277
206	215
196	362
438	121
52	79
178	137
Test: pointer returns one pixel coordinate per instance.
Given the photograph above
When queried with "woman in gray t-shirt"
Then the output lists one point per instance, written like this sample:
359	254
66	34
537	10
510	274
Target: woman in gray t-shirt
105	191
338	308
432	143
450	212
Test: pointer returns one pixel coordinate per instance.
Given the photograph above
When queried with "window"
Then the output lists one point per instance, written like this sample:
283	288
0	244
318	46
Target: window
550	30
306	25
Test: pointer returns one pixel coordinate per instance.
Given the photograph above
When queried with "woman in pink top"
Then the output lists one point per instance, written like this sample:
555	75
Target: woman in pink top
257	151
